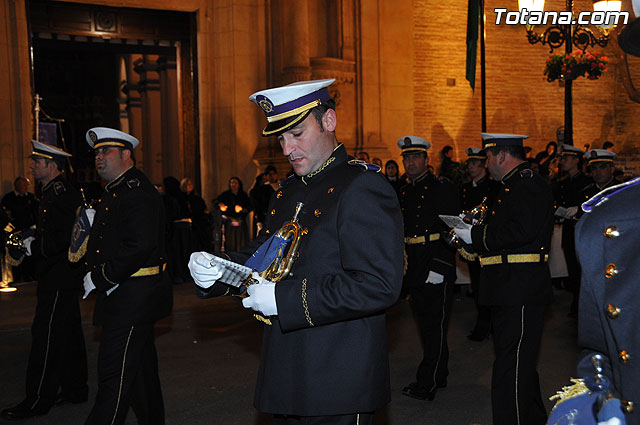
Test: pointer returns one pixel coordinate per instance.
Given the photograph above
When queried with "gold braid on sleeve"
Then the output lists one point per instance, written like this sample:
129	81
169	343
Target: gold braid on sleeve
304	301
484	237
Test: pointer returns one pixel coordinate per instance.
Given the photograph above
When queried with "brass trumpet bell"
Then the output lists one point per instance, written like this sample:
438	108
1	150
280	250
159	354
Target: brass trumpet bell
475	216
281	265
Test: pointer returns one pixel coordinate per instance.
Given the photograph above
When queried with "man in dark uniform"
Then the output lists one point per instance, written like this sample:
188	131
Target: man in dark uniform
513	245
126	257
567	192
22	208
58	358
20	204
607	239
601	166
481	186
431	263
325	357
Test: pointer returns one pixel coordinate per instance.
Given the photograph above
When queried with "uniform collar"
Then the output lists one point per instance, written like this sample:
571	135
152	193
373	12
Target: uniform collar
338	156
118	179
476	183
421	177
51	183
610	183
522	166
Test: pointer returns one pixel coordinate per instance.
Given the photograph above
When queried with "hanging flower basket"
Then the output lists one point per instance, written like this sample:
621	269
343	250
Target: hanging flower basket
576	64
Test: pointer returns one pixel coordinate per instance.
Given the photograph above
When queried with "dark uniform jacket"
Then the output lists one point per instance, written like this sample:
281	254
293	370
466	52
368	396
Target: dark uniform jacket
520	222
56	215
422	200
327	352
22	209
592	189
128	234
608	242
471	196
570	191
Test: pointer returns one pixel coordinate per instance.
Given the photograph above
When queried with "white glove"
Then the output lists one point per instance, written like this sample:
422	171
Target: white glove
464	233
434	278
571	212
262	296
88	285
566	213
204	270
90	214
26	243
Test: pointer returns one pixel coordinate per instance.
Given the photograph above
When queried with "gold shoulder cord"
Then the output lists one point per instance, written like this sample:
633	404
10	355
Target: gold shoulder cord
570	391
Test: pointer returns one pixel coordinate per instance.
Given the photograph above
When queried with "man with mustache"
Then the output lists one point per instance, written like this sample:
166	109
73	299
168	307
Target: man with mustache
126	257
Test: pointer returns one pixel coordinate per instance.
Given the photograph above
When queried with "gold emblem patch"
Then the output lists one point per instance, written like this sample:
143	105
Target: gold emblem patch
266	105
93	136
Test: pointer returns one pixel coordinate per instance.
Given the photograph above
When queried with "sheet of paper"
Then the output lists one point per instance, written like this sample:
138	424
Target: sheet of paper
232	273
453	221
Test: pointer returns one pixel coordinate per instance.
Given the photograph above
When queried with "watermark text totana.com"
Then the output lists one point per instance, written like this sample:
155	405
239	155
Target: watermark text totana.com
535	17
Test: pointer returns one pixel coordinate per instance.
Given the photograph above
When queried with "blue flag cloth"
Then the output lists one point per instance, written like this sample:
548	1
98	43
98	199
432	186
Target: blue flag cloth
79	236
271	249
585	403
48	133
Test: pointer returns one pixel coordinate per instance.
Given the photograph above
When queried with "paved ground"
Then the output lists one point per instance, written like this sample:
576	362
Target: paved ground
208	353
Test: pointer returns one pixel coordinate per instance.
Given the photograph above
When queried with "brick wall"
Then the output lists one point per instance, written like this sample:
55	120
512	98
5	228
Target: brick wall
519	99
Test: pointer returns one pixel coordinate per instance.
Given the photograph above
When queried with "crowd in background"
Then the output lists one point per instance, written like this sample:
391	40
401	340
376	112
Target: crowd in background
235	216
546	163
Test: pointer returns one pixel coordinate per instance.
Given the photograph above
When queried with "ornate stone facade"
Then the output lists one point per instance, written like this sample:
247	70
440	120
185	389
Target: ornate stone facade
399	68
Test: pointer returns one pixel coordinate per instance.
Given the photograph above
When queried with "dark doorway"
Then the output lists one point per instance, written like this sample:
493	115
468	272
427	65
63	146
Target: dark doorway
117	67
79	86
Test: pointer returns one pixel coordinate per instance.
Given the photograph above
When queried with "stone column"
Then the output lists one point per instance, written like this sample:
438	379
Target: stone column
151	117
134	104
171	140
295	18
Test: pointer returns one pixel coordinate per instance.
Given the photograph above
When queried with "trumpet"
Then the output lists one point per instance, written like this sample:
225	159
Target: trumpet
14	241
280	266
475	216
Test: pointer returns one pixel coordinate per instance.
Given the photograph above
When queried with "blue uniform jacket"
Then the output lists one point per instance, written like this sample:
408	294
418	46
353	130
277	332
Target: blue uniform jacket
608	243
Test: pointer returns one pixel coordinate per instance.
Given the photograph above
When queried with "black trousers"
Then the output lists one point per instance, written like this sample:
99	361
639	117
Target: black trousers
483	320
127	376
58	357
431	306
355	419
515	389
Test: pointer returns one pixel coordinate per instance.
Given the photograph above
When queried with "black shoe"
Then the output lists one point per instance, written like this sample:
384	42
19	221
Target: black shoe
413	390
70	399
21	411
